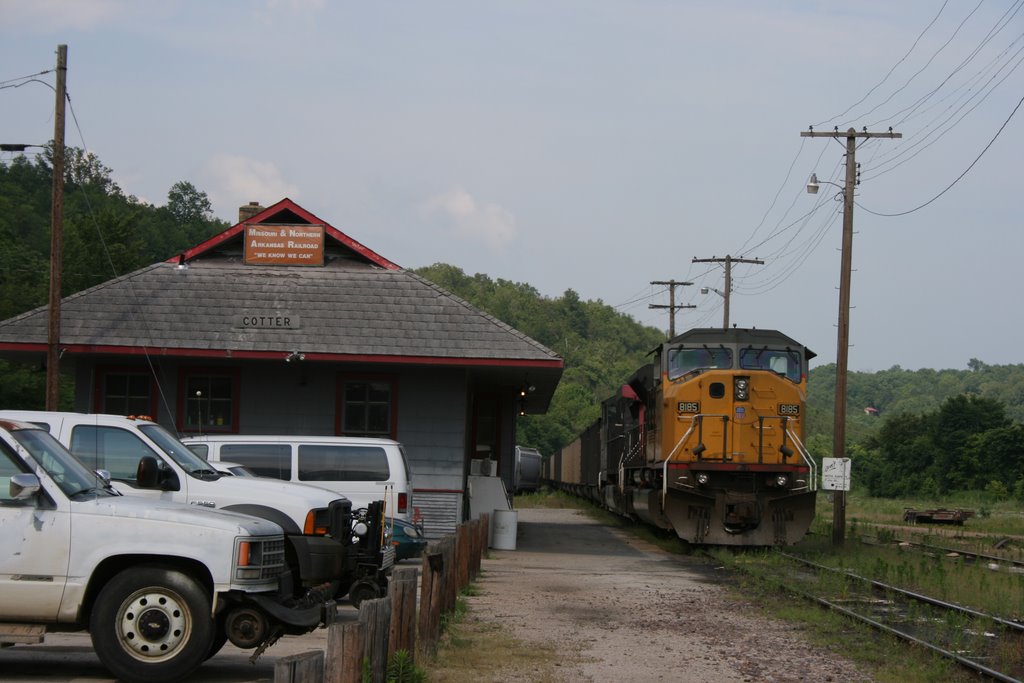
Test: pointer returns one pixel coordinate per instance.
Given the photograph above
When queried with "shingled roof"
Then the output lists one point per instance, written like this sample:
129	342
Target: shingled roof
357	307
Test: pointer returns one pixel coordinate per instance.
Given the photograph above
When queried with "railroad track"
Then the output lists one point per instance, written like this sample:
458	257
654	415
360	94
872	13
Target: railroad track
983	643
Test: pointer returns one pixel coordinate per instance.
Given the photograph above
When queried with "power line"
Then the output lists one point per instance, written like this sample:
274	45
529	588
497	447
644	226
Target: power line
891	70
959	177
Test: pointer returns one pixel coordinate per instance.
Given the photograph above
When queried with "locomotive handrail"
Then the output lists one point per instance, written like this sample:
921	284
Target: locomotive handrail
697	419
664	465
807	458
622	460
694	421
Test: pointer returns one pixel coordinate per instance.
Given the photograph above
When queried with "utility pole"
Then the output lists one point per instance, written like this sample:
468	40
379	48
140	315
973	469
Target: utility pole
56	236
843	342
728	261
672	307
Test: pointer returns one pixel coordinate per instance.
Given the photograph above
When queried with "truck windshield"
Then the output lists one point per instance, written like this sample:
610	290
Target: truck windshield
176	450
783	362
683	361
67	471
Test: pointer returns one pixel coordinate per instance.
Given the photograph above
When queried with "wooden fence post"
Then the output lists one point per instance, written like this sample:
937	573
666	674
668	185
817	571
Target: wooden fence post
449	574
402	590
375	616
483	540
461	556
430	598
345	650
305	667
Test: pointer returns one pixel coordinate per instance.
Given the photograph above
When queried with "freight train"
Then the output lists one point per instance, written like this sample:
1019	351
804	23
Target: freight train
707	440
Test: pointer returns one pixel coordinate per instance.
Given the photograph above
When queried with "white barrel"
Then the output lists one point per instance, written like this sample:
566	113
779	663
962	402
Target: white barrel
506	524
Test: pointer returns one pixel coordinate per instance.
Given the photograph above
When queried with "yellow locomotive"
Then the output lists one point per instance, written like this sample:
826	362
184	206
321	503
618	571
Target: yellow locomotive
707	440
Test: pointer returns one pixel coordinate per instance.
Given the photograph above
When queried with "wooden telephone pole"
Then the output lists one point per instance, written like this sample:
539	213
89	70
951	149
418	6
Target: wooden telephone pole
672	306
728	261
56	236
843	342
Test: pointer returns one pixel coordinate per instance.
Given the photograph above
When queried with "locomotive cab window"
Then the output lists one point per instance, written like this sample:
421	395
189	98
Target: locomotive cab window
683	361
780	361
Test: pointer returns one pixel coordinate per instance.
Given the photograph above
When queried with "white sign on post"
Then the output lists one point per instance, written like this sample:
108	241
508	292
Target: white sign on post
835	474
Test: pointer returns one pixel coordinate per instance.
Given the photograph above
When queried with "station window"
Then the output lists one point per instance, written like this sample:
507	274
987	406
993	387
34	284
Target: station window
367	407
209	401
125	392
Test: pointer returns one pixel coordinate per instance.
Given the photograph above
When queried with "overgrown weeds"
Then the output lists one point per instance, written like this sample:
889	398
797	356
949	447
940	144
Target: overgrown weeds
473	650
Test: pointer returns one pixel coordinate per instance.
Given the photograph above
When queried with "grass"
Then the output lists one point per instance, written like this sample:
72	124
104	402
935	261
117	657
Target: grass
993	515
473	650
933	573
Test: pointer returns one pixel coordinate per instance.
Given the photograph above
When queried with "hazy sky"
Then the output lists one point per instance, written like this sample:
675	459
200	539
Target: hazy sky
597	145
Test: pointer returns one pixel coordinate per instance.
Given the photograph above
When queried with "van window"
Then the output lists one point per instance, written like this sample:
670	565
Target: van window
342	463
264	459
110	448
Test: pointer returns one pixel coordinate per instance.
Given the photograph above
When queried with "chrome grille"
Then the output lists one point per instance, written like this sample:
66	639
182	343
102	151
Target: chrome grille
272	558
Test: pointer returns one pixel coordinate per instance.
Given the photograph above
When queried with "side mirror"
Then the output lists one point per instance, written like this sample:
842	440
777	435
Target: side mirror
147	476
104	475
24	486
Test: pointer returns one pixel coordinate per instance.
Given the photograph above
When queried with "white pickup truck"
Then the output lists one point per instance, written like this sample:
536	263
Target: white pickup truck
325	558
152	582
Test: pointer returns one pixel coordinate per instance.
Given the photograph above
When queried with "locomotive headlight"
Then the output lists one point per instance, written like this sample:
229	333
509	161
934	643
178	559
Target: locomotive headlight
703	478
741	388
781	480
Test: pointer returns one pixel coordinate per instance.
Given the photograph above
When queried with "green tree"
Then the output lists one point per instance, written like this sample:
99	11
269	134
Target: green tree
187	205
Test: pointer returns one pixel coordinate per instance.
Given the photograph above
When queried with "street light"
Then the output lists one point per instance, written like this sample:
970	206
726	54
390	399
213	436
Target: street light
725	314
725	309
813	184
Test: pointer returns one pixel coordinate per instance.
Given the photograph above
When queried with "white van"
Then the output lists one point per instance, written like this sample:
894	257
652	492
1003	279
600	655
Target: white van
361	469
143	459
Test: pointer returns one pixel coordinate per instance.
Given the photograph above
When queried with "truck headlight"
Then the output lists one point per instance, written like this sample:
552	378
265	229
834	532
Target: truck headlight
318	522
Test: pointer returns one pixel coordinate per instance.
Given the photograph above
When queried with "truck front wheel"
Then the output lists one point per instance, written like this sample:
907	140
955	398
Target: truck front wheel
152	624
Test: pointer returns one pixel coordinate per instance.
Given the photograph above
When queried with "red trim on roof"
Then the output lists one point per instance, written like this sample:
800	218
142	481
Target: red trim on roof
280	355
288	205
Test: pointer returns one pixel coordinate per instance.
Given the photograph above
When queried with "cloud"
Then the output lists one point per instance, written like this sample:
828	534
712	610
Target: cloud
491	224
237	180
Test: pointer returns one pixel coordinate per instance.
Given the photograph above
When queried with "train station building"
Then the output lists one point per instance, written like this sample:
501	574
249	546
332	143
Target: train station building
283	324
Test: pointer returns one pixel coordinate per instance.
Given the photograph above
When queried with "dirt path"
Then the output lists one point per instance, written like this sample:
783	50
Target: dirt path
619	609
